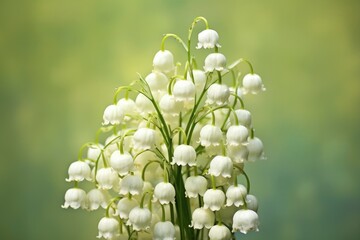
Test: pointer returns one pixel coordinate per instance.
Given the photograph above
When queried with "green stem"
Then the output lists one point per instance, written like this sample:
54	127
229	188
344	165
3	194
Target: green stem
162	46
118	90
246	177
88	144
162	213
252	133
172	214
219	77
145	167
213	182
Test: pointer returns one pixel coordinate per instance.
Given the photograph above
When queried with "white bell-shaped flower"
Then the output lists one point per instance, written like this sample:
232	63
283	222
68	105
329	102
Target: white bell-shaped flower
199	80
108	228
220	232
163	61
237	135
125	205
252	83
132	184
244	117
113	115
218	94
215	61
238	92
75	198
139	218
245	220
144	138
201	218
164	231
210	136
208	39
256	149
78	171
221	166
195	185
144	105
214	199
96	198
106	178
169	105
112	143
252	202
184	155
157	81
235	195
94	151
121	163
184	91
128	107
239	154
164	193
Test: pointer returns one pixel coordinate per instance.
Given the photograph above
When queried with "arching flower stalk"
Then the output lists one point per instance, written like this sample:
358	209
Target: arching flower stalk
177	142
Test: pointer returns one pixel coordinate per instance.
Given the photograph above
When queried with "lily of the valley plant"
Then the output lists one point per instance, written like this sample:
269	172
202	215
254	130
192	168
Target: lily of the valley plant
177	141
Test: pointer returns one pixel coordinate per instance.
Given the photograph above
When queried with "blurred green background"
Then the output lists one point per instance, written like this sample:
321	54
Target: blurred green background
61	61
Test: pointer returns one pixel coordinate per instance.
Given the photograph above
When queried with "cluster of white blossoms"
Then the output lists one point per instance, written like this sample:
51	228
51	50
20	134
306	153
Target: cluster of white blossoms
173	151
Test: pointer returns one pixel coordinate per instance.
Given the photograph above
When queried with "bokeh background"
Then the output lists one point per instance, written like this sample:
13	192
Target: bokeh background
60	62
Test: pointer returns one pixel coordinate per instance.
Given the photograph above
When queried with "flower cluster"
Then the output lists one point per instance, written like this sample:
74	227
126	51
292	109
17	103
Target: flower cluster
175	146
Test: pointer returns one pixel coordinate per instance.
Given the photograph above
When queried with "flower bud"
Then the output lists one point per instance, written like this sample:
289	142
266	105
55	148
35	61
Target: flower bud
164	230
221	165
169	105
157	82
208	39
214	199
210	136
139	218
163	61
128	107
144	138
94	151
184	91
252	83
201	218
237	135
113	115
195	185
95	199
164	192
245	220
244	117
256	149
108	228
235	195
144	105
252	202
215	61
75	198
184	155
78	171
107	178
121	163
132	184
218	94
238	154
219	232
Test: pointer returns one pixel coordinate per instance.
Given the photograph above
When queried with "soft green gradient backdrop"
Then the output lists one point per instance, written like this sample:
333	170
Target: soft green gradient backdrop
60	62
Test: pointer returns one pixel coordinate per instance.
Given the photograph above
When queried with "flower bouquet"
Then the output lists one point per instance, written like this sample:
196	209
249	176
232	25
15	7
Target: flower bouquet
177	141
